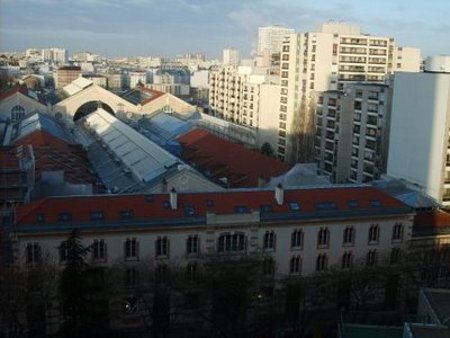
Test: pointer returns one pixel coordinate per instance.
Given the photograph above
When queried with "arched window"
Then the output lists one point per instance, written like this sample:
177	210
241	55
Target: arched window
349	236
395	256
231	242
347	260
295	266
374	233
268	266
33	253
371	258
191	272
17	113
397	232
269	240
321	262
297	239
323	238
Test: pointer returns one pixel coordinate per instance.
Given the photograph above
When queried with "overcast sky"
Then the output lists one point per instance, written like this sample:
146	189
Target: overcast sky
171	27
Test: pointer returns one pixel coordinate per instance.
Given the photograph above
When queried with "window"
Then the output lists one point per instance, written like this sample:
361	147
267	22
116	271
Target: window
131	249
269	240
295	265
349	236
294	206
63	252
371	258
374	234
191	272
268	266
265	208
321	262
99	249
192	245
131	278
189	210
347	260
64	217
97	215
231	242
33	253
297	239
161	274
323	237
127	214
40	217
162	247
395	256
397	232
17	113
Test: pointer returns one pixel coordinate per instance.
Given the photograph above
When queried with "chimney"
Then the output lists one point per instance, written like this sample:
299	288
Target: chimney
279	194
173	199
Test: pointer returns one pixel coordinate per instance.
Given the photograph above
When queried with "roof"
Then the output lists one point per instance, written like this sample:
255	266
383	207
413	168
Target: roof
16	89
428	331
371	331
143	157
439	300
431	223
151	210
221	158
41	122
140	95
77	85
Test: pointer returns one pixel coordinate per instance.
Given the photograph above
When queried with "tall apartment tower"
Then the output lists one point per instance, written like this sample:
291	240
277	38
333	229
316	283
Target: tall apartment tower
270	38
335	56
419	148
231	57
352	132
57	55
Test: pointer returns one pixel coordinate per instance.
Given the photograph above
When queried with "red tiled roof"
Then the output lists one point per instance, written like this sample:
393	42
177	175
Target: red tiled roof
432	219
52	153
223	158
16	89
155	207
8	158
155	94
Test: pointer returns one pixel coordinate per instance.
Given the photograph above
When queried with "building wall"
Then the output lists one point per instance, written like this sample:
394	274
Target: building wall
268	115
419	136
254	231
19	103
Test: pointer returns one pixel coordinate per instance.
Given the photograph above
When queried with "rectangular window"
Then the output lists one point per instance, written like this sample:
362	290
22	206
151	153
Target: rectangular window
131	249
192	245
99	250
162	247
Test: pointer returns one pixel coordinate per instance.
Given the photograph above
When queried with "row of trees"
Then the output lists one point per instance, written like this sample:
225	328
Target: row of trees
217	297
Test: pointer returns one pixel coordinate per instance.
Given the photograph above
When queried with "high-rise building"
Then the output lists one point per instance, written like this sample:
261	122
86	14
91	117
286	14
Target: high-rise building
352	132
336	55
231	57
419	148
56	55
271	37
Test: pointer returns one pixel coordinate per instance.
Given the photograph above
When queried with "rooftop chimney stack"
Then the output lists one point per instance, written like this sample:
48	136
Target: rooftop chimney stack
279	194
173	199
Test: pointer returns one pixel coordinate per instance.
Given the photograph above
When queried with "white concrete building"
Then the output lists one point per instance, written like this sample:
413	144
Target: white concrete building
231	57
336	55
270	38
419	149
352	132
56	55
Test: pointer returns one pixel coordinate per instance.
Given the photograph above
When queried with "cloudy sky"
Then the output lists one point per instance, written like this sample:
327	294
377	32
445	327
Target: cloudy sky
171	27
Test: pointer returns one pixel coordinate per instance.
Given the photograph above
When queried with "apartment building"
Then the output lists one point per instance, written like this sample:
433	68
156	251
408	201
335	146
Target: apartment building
352	132
231	57
419	150
271	37
335	56
246	96
57	55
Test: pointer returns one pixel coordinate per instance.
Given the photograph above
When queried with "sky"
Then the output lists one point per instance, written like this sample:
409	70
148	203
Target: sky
171	27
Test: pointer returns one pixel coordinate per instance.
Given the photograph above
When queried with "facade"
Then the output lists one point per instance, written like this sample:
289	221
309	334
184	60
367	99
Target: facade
65	75
231	57
420	125
336	55
245	95
136	78
352	132
270	38
284	224
56	55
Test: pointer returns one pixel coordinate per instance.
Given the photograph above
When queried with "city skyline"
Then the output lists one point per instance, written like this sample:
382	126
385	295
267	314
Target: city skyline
141	27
